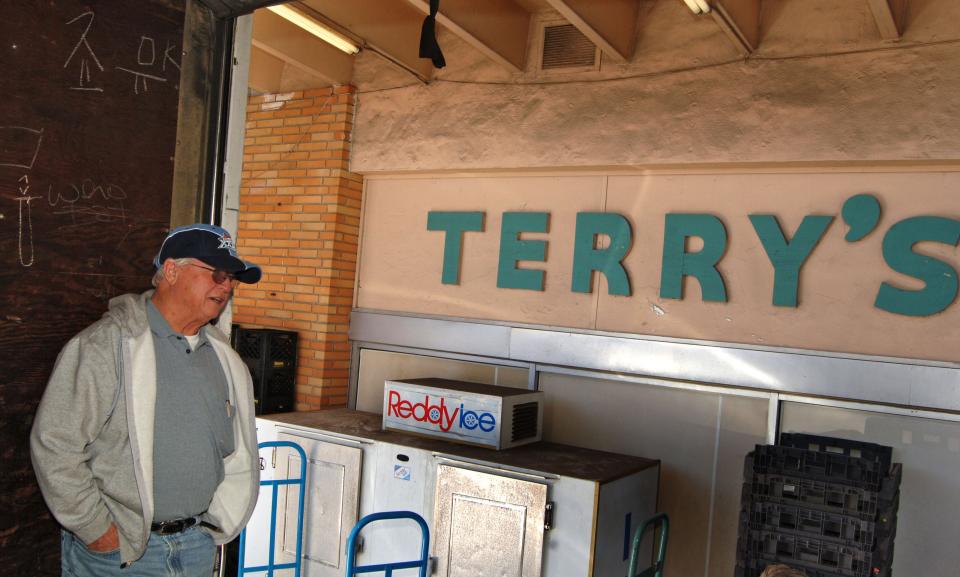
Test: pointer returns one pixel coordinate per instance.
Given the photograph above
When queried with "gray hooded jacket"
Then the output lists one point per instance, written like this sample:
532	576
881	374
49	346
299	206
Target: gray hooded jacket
92	440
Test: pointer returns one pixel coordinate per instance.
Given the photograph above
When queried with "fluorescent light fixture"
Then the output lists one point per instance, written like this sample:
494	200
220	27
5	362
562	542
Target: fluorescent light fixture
315	28
698	6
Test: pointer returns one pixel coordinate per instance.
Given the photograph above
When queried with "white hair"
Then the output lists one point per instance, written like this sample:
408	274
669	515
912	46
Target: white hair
158	276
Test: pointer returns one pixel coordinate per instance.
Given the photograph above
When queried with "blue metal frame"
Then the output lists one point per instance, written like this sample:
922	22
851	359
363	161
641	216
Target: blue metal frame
272	567
656	570
388	568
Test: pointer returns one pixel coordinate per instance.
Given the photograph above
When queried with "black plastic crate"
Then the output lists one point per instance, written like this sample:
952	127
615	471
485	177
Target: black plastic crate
883	542
859	449
271	357
825	496
832	467
816	554
808	522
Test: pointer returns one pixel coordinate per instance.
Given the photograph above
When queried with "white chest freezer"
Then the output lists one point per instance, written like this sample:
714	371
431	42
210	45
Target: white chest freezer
539	509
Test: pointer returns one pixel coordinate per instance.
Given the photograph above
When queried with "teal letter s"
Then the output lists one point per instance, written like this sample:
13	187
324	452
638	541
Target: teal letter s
940	278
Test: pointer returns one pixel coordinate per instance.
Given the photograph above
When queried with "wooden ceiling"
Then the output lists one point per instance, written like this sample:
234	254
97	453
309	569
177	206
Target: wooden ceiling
285	57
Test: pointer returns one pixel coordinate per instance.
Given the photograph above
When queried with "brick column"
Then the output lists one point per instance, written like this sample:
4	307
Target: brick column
299	220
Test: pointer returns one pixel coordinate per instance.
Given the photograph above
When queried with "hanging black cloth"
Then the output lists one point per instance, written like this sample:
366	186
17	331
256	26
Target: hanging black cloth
429	48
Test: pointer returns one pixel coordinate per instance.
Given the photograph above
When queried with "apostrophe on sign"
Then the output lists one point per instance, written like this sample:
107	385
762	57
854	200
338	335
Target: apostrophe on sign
861	213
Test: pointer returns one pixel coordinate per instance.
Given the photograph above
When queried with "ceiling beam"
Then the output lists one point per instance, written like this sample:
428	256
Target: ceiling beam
610	24
497	28
889	16
266	71
391	28
740	21
288	42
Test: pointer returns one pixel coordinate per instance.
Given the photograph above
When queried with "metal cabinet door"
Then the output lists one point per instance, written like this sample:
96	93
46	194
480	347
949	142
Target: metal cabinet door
403	479
487	525
330	511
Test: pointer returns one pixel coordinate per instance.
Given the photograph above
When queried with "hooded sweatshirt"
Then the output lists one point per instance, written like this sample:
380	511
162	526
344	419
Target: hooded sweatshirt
92	438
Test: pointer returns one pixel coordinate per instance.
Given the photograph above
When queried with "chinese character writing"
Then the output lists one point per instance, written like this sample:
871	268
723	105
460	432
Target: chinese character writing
84	55
146	56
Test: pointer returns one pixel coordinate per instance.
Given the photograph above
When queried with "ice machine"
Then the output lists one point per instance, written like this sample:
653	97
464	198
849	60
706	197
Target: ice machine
537	509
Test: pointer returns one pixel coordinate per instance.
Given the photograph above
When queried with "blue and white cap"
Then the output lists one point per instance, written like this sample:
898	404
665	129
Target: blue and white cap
210	244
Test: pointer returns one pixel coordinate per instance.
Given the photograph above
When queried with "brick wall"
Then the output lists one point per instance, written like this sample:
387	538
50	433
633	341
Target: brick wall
299	220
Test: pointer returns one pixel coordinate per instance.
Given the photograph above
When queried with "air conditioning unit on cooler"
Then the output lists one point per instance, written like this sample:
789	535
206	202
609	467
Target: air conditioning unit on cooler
463	412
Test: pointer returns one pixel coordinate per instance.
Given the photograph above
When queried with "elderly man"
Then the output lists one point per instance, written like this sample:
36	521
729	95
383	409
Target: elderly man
144	443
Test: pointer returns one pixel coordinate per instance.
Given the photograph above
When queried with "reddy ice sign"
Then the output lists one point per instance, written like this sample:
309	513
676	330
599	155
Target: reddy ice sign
440	413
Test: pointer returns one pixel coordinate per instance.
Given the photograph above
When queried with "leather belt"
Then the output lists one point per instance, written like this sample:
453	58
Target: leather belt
174	525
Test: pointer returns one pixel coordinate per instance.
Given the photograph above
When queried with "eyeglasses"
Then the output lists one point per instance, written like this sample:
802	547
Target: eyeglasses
219	275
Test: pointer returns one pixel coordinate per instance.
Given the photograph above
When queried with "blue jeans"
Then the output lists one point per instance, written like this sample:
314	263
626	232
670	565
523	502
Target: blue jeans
189	553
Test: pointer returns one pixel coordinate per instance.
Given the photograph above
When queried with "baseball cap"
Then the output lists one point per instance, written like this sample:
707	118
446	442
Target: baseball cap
210	244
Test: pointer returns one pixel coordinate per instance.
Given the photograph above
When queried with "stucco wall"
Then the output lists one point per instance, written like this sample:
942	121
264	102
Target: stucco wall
821	87
823	110
896	105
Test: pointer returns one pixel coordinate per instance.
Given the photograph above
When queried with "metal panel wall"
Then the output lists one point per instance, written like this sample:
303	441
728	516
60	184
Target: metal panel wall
920	384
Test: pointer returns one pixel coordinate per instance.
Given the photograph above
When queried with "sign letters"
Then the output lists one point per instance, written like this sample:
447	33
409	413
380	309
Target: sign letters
787	252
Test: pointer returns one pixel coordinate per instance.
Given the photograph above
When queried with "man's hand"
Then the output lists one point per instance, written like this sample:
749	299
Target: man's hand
107	542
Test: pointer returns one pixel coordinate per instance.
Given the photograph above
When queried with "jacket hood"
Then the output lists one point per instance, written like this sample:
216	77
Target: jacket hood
129	311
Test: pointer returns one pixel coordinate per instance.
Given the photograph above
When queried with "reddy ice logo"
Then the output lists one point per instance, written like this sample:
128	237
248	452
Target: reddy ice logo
439	413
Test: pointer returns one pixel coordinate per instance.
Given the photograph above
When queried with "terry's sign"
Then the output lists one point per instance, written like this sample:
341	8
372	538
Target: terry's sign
787	252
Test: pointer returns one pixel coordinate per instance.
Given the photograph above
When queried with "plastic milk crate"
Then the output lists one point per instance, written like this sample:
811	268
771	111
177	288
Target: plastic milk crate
859	449
808	522
818	554
823	466
825	496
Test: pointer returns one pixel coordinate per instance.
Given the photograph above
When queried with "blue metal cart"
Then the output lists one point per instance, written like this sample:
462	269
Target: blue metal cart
655	570
388	568
301	482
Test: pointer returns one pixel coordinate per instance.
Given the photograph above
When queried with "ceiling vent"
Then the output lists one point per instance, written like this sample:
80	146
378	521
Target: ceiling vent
566	49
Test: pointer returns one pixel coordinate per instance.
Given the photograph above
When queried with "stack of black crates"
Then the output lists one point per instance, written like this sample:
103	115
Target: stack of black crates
823	505
271	356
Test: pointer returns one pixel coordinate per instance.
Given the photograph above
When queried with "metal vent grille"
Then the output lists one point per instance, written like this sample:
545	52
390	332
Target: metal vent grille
566	47
524	421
